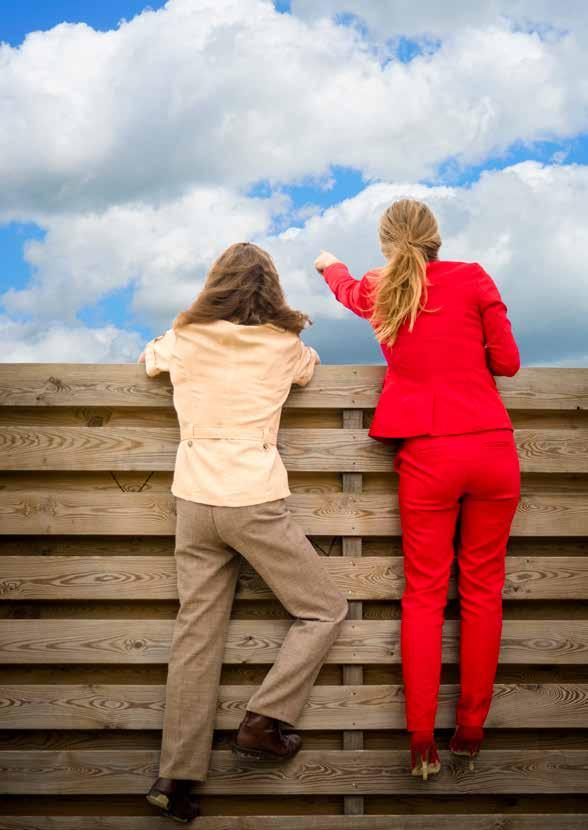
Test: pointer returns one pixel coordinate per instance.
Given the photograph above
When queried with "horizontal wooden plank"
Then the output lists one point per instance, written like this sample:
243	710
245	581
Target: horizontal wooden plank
435	821
552	450
332	386
360	578
154	448
361	772
98	706
57	641
321	514
82	384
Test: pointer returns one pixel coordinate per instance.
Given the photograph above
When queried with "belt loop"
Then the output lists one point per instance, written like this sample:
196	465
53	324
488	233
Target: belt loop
186	431
268	437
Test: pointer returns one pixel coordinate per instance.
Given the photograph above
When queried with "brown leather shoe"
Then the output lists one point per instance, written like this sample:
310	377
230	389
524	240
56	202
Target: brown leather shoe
172	796
260	738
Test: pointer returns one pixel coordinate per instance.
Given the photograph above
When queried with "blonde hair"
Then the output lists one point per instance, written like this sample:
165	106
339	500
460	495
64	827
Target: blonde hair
409	238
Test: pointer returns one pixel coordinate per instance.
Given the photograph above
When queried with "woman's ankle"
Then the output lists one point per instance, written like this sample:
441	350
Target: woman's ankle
421	735
470	733
424	756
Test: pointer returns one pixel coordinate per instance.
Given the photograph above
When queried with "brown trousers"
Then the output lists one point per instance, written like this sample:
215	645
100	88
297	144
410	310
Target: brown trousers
207	541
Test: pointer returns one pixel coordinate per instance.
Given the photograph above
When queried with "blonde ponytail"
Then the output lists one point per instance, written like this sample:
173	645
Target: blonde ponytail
409	237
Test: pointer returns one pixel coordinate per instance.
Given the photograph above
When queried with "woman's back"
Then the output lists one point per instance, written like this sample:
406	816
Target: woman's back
233	377
440	375
448	335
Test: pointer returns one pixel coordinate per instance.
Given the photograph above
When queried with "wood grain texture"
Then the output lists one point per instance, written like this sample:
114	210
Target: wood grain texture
324	514
494	821
371	707
352	546
362	772
79	443
335	386
336	450
360	578
57	641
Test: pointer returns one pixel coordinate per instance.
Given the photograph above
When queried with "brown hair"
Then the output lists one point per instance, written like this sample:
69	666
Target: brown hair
409	238
243	286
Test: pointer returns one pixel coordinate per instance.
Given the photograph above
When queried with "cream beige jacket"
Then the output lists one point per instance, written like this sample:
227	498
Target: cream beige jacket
230	382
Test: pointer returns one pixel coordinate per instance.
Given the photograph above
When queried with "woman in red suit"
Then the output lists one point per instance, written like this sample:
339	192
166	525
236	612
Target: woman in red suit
444	333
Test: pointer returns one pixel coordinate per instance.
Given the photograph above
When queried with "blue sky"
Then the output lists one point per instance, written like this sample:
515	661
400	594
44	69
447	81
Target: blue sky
100	222
18	19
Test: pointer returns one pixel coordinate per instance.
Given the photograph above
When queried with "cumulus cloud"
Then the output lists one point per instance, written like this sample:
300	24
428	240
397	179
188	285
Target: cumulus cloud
524	224
204	92
428	18
161	250
135	150
31	342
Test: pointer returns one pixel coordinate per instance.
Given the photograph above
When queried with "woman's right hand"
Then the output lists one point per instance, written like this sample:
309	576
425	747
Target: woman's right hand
323	260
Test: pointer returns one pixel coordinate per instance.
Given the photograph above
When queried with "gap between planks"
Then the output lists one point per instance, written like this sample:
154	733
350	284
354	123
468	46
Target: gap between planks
351	546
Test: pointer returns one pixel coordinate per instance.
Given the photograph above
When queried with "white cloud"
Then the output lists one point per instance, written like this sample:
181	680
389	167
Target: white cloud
163	250
387	18
227	92
525	224
32	342
134	149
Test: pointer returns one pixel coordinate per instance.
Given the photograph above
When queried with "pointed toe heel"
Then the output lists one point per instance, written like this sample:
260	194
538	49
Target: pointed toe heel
466	742
424	756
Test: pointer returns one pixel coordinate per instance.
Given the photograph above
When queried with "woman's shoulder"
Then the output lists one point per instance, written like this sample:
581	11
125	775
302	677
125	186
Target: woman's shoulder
373	273
456	273
442	265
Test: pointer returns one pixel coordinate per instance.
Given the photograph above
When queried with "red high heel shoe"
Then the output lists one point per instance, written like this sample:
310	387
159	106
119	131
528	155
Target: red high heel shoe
424	758
467	740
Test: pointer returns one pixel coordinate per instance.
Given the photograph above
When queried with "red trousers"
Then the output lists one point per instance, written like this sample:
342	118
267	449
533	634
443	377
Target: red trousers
475	476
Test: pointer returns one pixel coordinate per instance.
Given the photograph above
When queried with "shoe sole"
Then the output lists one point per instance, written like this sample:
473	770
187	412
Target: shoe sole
161	800
424	772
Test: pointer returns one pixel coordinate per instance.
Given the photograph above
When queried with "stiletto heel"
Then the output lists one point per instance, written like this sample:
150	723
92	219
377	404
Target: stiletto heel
424	758
467	741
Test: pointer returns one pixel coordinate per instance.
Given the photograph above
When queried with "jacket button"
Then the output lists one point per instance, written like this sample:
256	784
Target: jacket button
189	443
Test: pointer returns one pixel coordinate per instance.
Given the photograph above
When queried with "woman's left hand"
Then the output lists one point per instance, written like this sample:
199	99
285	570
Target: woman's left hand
323	260
141	358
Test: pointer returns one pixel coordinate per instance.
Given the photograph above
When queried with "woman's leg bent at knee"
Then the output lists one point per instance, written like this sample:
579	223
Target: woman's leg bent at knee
276	546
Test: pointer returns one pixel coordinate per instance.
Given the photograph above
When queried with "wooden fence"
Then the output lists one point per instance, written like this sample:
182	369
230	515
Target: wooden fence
87	582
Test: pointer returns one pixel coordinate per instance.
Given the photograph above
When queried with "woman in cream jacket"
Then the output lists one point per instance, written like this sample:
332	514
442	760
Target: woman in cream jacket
232	358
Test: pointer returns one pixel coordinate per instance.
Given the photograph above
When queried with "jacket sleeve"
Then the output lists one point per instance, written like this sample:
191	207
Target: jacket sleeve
158	353
502	353
352	293
305	362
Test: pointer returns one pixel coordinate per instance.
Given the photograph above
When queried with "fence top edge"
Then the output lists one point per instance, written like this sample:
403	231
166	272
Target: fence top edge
335	386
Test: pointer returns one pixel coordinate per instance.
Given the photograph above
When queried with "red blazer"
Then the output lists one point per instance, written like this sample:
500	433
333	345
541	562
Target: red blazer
440	376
